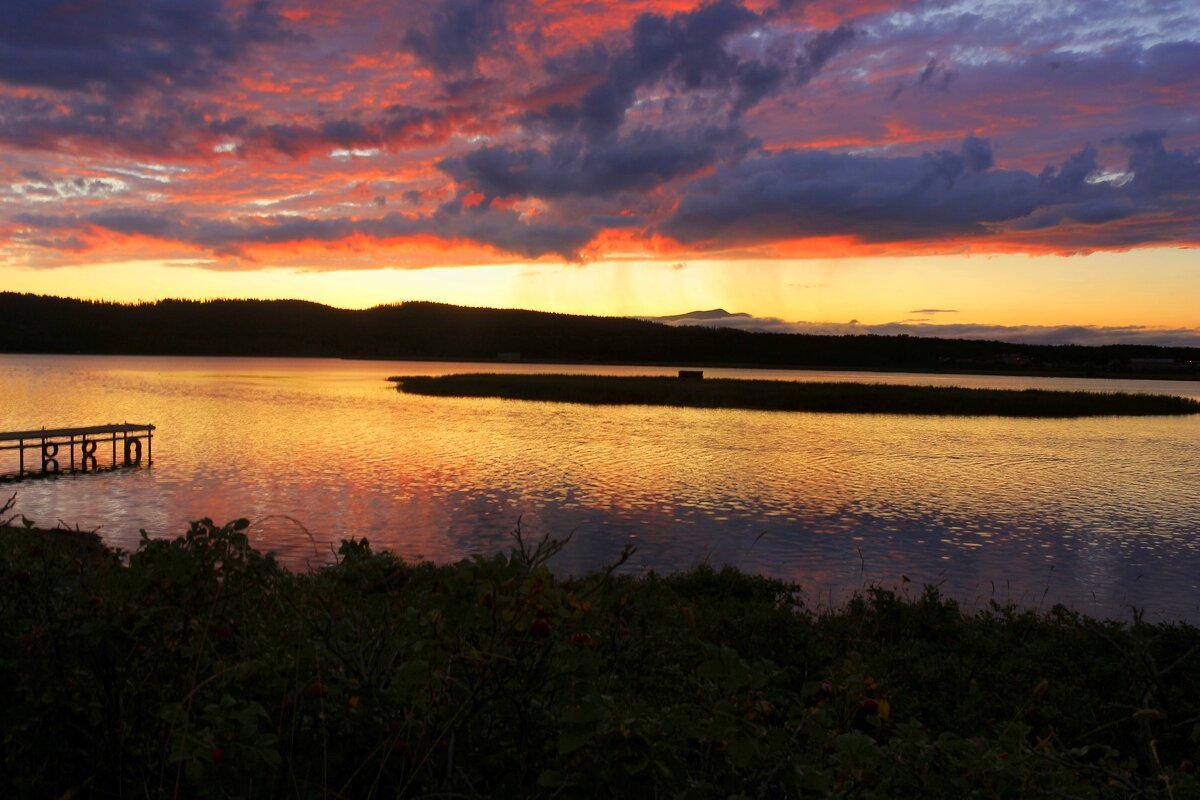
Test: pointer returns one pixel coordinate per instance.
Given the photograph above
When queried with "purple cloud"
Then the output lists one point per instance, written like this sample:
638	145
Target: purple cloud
502	229
125	46
640	160
457	34
689	52
940	195
720	125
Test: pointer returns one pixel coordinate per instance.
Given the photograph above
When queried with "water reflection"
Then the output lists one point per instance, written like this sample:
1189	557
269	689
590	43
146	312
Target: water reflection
1096	513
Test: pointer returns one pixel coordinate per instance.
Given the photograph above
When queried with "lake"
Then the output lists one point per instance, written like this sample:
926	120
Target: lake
1099	514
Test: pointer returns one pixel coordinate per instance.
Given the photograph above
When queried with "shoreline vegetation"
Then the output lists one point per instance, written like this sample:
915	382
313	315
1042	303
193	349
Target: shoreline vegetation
198	667
768	395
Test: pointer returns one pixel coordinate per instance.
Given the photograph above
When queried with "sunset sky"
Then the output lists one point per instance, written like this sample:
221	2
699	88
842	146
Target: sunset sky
1019	169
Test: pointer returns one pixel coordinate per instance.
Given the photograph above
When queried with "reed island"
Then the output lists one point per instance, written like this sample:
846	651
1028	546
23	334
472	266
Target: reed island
772	395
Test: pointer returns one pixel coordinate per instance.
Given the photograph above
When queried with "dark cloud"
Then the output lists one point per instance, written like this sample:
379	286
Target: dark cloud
507	231
397	126
37	122
690	47
615	221
977	154
458	33
818	50
191	130
974	155
689	52
122	47
936	76
1073	175
643	121
1088	212
297	140
944	194
641	160
755	80
813	193
166	45
503	229
467	89
1157	170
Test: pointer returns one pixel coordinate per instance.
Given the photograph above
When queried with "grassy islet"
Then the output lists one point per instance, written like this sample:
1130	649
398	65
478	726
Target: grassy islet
769	395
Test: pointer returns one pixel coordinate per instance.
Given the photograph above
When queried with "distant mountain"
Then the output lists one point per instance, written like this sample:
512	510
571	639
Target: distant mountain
946	329
702	316
426	331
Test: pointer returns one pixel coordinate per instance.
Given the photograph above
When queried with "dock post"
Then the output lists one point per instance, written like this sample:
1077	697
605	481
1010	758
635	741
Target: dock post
133	451
87	452
50	457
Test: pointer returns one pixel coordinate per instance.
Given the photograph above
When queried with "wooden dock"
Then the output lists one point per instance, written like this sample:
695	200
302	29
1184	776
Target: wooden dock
54	451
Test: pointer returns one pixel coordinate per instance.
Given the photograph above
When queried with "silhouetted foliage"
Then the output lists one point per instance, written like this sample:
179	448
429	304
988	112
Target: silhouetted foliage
35	324
198	667
855	398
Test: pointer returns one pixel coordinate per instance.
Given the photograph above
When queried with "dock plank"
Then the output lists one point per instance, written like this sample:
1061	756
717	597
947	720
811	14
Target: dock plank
47	433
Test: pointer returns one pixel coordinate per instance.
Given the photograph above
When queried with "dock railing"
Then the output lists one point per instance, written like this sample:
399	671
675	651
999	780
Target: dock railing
54	451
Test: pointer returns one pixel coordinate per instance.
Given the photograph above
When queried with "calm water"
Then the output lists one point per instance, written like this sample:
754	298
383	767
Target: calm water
1098	514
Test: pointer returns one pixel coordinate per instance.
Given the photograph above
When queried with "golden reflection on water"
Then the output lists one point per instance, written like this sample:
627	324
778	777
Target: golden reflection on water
1095	512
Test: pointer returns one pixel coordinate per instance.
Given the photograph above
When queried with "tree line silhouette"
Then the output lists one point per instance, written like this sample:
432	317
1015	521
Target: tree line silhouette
421	330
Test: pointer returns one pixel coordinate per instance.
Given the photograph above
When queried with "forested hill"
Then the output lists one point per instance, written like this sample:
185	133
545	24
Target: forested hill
35	324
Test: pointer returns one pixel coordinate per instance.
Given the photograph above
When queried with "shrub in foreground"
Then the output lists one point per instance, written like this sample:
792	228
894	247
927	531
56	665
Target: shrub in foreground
199	667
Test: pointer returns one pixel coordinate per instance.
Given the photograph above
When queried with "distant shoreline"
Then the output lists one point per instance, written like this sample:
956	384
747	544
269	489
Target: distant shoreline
1187	377
823	397
420	331
703	365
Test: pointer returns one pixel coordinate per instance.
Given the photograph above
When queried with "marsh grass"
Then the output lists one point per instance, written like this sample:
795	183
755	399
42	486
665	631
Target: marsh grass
768	395
198	667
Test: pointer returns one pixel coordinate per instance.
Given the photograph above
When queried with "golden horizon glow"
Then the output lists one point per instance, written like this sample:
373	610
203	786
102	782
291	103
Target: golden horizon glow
1009	290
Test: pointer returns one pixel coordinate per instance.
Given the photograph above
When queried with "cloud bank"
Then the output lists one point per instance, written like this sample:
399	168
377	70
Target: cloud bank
241	132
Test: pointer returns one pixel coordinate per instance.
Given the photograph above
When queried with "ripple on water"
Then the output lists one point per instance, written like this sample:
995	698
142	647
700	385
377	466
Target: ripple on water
1097	513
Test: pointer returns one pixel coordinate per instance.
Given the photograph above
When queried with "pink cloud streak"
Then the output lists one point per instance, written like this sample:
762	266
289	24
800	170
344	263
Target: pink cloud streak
240	132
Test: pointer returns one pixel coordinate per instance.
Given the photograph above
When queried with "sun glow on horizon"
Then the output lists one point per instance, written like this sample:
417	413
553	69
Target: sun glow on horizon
1095	290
